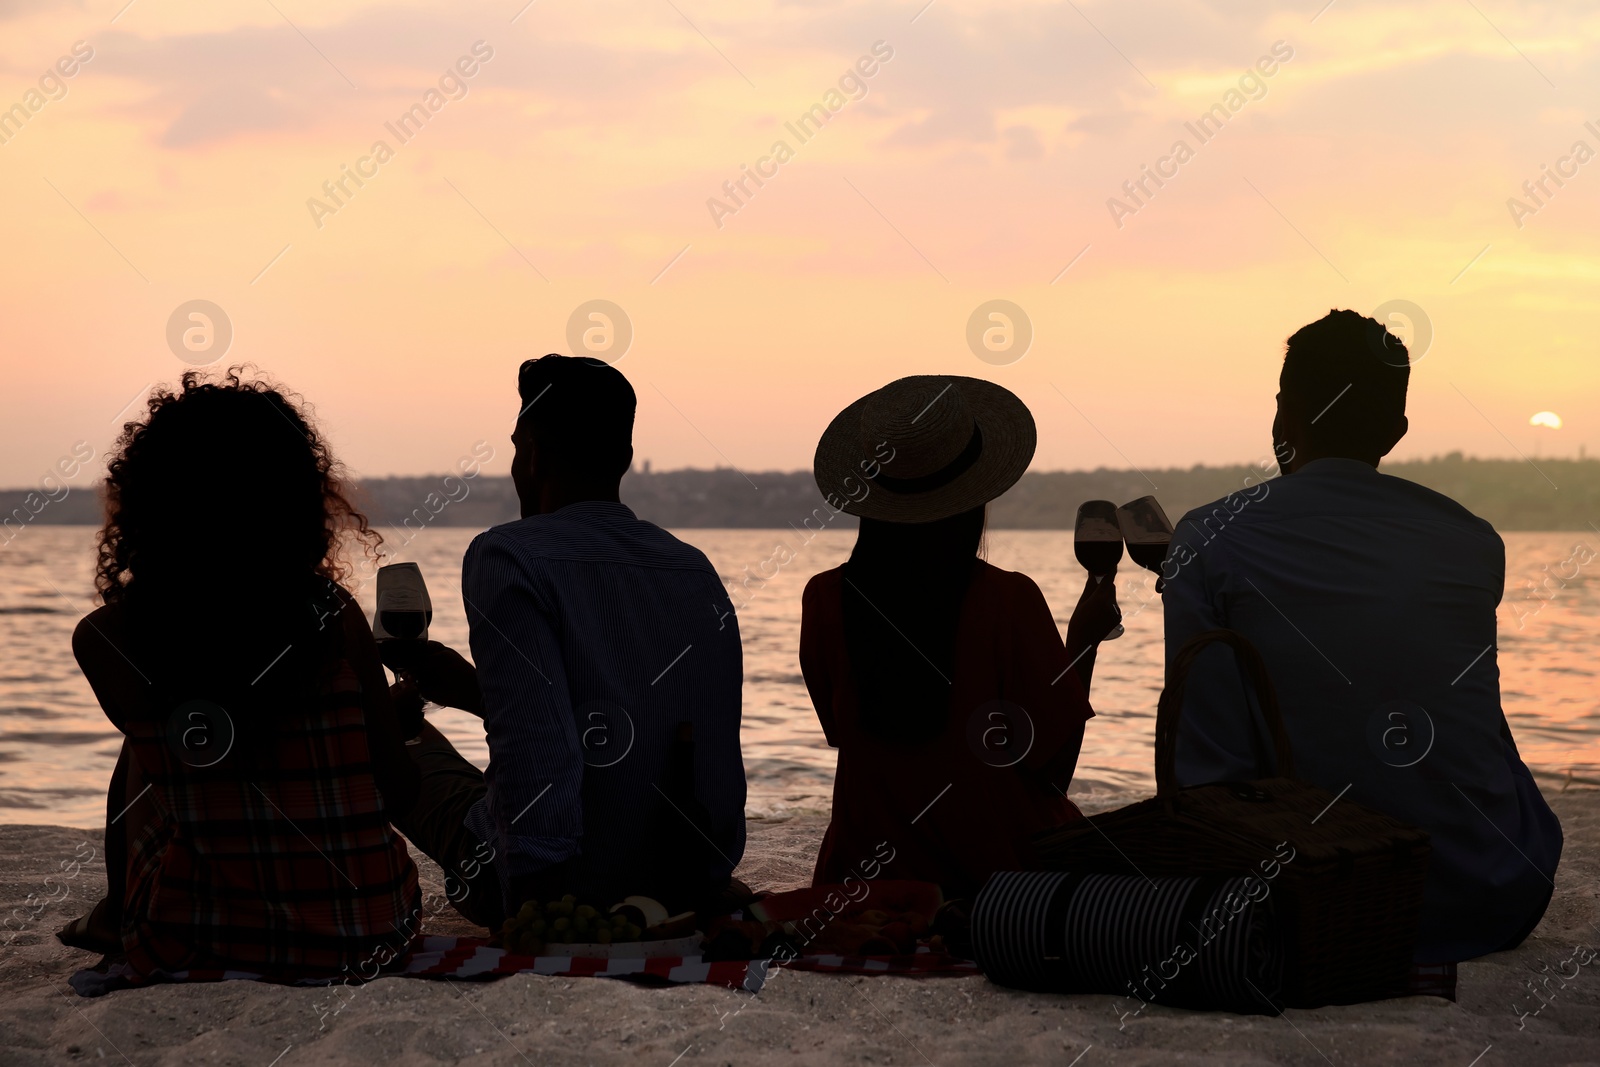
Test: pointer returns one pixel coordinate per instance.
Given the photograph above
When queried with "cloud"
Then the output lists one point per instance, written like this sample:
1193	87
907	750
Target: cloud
210	87
230	111
204	88
13	9
1022	144
970	124
1103	123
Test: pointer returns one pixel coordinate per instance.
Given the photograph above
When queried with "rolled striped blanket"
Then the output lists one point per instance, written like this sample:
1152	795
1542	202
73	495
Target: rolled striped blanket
1189	942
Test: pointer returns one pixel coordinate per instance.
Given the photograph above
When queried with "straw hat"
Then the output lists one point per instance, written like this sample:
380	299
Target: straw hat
925	448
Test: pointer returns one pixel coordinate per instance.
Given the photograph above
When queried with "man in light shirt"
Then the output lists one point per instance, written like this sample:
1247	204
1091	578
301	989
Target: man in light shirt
608	673
1372	600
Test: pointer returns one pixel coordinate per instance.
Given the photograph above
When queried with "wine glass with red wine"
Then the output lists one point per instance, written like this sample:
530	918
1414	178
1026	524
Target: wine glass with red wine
404	610
1097	542
1147	531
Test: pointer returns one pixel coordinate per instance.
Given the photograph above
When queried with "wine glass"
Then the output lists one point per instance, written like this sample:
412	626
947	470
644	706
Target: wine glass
1148	533
404	610
1097	542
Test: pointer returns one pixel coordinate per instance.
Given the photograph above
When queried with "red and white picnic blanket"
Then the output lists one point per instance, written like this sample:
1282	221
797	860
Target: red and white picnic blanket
472	958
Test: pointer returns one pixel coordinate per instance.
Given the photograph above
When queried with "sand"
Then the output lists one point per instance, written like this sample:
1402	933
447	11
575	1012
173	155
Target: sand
798	1018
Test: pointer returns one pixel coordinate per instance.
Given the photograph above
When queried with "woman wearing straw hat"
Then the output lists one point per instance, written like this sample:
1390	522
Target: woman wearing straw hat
943	682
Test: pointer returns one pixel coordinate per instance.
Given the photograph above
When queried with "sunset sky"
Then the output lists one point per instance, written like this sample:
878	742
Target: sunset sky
1374	165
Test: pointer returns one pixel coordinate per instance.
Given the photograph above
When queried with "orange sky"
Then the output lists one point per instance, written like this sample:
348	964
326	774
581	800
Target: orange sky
975	163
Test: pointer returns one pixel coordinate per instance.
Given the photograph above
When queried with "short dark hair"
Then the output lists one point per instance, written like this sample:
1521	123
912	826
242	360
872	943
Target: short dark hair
1347	376
580	413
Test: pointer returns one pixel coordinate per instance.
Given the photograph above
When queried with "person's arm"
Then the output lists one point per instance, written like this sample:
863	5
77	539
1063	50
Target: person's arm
438	673
397	776
535	757
1052	690
101	651
815	618
1497	586
1095	616
1214	737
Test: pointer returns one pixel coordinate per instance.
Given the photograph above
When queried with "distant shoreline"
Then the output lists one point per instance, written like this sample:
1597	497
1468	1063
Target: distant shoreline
1543	495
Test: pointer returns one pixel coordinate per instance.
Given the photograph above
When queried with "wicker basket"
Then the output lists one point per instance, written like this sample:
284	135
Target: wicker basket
1348	880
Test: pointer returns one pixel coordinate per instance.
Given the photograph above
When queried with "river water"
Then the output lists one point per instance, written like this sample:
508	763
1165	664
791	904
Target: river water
57	749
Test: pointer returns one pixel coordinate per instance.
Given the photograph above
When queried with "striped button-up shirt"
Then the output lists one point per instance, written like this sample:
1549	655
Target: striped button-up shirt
595	634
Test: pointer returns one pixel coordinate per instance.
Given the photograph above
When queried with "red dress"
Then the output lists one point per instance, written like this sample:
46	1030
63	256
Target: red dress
953	809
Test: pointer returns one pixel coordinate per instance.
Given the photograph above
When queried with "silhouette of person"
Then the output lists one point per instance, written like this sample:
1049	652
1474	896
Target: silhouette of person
1373	602
248	820
608	676
943	682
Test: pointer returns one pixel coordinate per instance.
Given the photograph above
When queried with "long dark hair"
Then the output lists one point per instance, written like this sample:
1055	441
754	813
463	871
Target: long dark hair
226	528
903	590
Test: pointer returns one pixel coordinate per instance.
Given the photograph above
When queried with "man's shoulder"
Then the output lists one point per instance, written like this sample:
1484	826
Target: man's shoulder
1438	504
1372	494
623	541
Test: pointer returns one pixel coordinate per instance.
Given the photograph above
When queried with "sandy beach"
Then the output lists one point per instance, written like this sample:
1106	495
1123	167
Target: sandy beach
798	1018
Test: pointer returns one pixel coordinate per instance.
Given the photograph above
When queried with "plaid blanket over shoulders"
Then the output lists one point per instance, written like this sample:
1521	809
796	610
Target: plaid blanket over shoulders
276	861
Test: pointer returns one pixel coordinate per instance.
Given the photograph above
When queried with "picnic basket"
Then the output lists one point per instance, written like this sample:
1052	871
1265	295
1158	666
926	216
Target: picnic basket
1348	880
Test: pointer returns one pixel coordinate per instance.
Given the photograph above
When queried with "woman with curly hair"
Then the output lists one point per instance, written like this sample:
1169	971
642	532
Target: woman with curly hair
248	820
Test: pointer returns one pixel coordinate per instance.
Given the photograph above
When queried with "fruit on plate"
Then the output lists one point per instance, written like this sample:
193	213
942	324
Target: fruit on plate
651	910
538	925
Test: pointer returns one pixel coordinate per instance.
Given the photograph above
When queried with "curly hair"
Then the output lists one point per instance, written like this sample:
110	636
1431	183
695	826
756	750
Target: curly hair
225	465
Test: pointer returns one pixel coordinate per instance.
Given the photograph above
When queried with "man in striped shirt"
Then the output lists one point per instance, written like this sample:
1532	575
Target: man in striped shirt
608	675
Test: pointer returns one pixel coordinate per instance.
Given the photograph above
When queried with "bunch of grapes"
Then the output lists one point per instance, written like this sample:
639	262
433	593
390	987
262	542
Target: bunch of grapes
564	921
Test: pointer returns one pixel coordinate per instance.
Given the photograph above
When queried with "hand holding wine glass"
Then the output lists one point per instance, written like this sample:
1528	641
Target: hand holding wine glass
1096	617
1097	543
426	669
440	674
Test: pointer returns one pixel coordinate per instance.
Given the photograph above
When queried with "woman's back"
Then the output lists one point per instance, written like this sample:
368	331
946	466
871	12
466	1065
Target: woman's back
258	840
953	807
250	809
